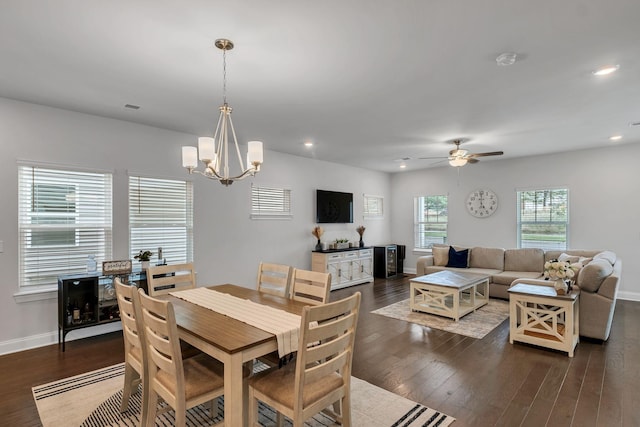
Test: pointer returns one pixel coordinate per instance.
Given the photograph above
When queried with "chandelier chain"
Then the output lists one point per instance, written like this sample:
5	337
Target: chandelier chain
224	76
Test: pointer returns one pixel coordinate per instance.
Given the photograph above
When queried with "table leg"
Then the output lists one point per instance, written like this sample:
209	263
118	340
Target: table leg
235	392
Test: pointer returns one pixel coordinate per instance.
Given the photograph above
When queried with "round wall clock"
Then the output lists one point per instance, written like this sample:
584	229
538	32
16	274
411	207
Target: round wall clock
482	203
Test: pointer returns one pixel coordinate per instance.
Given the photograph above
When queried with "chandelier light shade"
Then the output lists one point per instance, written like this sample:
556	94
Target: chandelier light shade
214	152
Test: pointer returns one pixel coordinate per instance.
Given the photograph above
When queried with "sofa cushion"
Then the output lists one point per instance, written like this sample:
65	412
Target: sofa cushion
570	258
526	259
440	255
507	277
606	255
458	259
492	258
593	274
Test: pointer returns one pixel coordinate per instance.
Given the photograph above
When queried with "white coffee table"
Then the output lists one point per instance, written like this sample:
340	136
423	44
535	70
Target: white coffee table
538	315
449	293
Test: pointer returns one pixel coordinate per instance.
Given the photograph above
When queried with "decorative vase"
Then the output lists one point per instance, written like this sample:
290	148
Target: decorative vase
560	286
318	246
144	265
361	242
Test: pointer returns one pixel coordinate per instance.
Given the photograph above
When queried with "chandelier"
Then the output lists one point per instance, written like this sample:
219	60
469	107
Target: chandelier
214	152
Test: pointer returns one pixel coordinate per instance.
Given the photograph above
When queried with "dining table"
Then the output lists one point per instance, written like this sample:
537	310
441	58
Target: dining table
230	341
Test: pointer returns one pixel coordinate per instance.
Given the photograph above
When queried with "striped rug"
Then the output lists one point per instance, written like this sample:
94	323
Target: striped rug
93	399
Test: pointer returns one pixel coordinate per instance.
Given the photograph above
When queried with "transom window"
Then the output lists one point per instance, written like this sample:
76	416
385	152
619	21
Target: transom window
430	224
64	216
543	218
161	215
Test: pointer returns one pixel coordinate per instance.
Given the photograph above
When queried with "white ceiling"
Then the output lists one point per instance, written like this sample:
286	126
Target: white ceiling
368	81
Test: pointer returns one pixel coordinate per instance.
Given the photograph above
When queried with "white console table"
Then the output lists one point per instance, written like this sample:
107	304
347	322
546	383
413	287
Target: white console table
348	267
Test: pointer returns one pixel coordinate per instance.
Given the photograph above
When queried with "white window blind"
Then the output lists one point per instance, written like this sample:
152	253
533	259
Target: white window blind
430	223
373	206
64	216
270	202
161	215
543	218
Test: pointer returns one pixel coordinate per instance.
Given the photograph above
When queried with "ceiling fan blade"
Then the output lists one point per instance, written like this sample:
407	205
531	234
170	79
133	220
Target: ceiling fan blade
492	153
432	158
471	160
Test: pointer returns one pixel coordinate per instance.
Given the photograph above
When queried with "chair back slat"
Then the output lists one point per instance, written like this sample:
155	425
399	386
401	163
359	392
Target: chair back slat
130	322
274	279
162	279
310	287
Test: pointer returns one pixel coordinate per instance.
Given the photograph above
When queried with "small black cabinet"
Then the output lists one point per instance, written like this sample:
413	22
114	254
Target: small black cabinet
385	261
88	300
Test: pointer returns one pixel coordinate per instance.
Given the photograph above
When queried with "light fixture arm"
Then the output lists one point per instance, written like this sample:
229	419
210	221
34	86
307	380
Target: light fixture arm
214	152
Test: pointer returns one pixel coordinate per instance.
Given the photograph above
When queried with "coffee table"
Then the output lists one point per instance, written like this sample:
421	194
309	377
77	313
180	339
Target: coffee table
449	293
538	315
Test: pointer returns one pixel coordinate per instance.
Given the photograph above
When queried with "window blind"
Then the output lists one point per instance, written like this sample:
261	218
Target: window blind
161	215
63	217
373	206
270	202
543	218
430	223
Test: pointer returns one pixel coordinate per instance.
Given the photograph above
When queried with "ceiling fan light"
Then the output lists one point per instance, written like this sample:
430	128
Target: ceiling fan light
457	161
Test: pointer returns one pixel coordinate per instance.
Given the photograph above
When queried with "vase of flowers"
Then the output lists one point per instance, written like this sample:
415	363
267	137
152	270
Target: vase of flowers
360	231
318	232
144	257
560	272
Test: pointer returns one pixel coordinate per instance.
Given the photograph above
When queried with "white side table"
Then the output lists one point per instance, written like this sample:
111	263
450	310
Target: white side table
539	316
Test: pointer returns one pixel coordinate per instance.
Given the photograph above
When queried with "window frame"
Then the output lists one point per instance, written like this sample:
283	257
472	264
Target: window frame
422	244
520	223
378	201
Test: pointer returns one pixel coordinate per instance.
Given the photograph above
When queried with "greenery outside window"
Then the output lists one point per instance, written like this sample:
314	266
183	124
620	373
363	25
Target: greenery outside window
430	223
543	219
161	215
63	217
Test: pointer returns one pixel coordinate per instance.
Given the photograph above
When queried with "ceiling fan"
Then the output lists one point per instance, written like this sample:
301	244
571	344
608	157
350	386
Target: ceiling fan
459	157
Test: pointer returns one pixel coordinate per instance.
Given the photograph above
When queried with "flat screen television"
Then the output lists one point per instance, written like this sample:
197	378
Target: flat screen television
333	206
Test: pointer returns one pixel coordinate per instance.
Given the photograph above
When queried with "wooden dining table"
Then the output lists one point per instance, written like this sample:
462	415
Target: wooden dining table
230	341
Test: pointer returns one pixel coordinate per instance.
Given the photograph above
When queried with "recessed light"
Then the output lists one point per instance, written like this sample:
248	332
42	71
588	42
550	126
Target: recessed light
507	58
615	138
132	107
403	166
606	70
308	144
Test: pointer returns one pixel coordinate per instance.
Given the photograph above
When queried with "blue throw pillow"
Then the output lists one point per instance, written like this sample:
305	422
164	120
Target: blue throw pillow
458	259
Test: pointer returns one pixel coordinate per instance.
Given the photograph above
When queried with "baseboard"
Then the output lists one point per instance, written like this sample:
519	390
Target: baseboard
630	296
409	270
40	340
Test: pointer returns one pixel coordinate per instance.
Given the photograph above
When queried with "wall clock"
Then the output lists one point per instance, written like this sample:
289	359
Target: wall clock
482	203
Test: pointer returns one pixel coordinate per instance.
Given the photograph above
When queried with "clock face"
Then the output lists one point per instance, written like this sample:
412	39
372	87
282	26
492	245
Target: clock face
482	203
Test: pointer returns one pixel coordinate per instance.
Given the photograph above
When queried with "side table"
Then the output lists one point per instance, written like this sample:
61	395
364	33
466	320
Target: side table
539	316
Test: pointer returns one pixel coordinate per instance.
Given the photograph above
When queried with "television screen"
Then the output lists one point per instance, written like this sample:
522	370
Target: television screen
333	206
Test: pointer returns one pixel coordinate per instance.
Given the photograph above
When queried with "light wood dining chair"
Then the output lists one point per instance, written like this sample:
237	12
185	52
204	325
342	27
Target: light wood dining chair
321	375
311	287
274	279
182	384
162	279
134	348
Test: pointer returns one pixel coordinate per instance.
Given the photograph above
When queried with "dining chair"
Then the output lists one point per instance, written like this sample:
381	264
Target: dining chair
182	384
134	348
311	287
321	375
274	279
162	279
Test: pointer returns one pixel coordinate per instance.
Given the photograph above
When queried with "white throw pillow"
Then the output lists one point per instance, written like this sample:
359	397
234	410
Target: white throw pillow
571	258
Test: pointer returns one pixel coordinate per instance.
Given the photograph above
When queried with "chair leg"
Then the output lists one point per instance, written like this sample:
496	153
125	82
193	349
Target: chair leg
346	410
152	409
253	409
130	377
279	419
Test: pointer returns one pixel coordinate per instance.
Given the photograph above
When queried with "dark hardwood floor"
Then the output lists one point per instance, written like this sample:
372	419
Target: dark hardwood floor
486	382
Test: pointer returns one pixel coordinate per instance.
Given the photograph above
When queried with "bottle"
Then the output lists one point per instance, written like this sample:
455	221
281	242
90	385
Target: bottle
68	314
92	265
160	261
76	312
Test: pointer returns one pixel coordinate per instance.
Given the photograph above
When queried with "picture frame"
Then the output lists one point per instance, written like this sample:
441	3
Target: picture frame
116	267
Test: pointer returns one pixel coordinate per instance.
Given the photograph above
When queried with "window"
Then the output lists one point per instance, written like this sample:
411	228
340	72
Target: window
373	206
430	222
161	215
270	202
543	218
63	217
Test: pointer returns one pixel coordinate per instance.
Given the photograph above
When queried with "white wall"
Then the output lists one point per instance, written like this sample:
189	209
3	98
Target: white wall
604	198
228	245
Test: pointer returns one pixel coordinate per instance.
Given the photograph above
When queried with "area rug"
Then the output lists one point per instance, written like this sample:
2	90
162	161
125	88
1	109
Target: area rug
93	399
474	325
